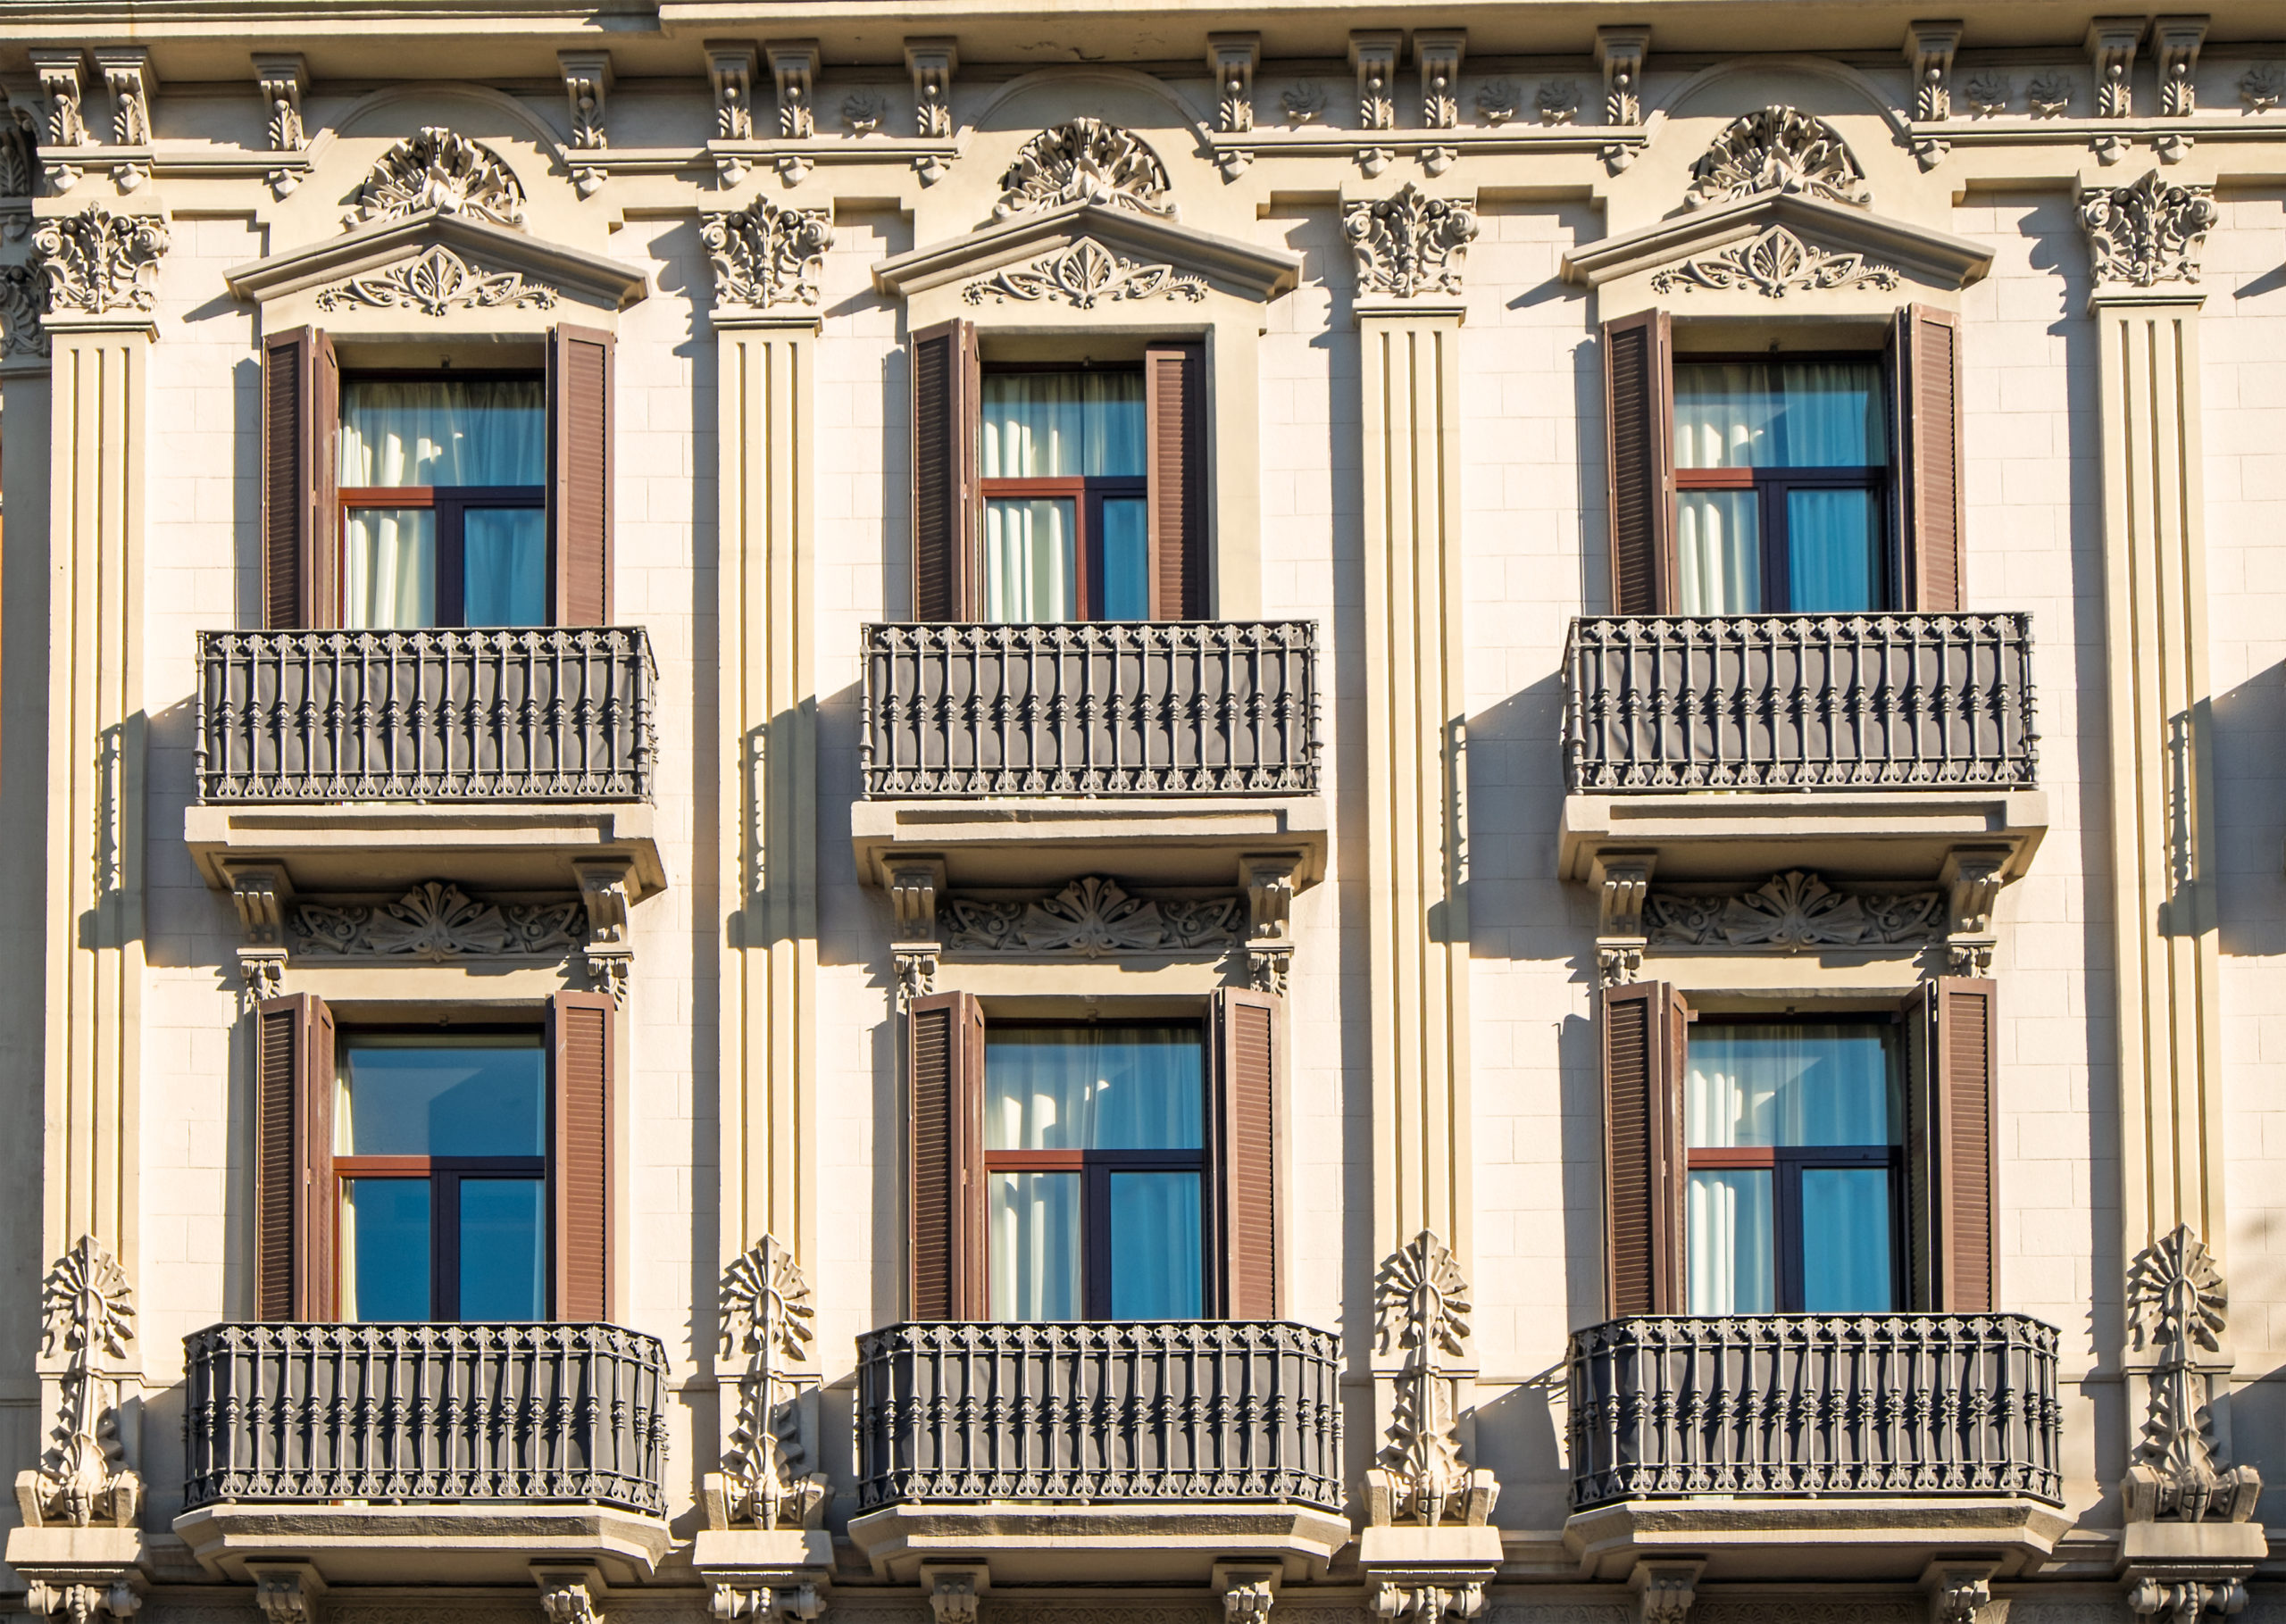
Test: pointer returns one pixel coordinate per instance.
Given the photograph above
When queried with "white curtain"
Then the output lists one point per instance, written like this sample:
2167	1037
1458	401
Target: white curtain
389	574
1030	559
1756	1085
1780	414
1043	425
1035	1272
1733	1259
1093	1088
1718	538
1155	1246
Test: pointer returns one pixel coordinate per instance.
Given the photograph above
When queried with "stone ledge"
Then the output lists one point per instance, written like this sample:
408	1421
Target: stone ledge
1752	834
384	846
1049	840
1175	1544
352	1543
1872	1540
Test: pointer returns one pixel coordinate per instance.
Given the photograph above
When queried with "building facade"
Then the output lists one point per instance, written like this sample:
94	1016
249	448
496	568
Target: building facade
968	812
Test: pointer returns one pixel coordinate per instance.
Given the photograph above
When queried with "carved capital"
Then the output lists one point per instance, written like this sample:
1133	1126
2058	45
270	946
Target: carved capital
766	255
1373	56
2175	43
1929	47
953	1590
914	965
1410	244
586	83
1619	963
2148	233
1664	1591
1440	54
101	264
932	63
1233	57
1619	55
2111	45
287	1592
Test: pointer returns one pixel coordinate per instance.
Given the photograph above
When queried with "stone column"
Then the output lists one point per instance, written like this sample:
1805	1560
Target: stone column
2186	1508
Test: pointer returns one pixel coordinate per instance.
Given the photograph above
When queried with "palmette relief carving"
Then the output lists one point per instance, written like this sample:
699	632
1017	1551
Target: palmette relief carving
1411	243
438	922
767	1313
2178	1308
2148	233
1085	161
1083	276
1774	264
1090	918
100	263
441	169
587	82
436	283
1421	1309
1302	104
19	163
862	112
2262	87
280	79
1498	100
1987	94
88	1316
1777	149
2049	95
1558	102
763	254
1793	910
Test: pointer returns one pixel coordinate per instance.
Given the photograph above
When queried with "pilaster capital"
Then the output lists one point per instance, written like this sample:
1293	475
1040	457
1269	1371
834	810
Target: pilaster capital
2144	240
1410	247
102	268
767	261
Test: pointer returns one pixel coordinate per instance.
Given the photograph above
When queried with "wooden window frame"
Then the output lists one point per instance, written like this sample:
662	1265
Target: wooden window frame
450	504
1085	492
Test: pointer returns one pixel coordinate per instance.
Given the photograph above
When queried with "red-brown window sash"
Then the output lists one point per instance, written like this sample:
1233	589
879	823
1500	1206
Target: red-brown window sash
450	502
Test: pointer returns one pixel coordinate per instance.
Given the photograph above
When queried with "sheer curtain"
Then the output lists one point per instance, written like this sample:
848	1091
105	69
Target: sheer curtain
1733	1250
1093	1088
1031	568
1059	425
1035	1227
1789	1084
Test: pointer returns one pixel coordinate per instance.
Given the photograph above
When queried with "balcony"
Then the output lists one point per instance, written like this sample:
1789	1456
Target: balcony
1161	752
1728	747
375	760
483	1448
1870	1444
1099	1452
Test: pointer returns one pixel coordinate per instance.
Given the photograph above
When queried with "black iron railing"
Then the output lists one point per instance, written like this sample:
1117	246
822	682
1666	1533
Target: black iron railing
1815	1404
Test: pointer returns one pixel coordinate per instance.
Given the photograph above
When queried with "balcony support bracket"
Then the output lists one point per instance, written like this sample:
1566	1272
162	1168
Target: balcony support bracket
1665	1590
570	1595
954	1589
1249	1591
916	884
1957	1589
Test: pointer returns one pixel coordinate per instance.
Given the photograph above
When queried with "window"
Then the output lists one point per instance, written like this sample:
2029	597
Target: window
1784	483
1093	1170
1057	492
1793	1136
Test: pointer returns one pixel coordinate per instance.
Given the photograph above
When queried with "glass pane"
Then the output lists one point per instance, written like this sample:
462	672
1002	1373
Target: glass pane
1127	559
1845	1241
1031	564
1728	1221
1718	537
1780	414
1833	551
458	1097
388	558
443	431
1039	425
1792	1085
1155	1246
505	560
384	1249
504	1249
1093	1088
1035	1246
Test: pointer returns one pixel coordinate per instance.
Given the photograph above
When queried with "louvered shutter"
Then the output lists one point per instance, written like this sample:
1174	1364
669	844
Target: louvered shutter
301	403
1952	1152
1639	401
944	472
945	1106
580	473
581	1047
1643	1027
293	1158
1925	357
1249	1124
1174	387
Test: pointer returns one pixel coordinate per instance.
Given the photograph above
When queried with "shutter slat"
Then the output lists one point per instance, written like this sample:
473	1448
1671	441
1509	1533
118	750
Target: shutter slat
300	410
1638	392
944	471
945	1106
293	1196
580	1042
1643	1149
1966	1185
1248	1117
580	484
1926	347
1175	403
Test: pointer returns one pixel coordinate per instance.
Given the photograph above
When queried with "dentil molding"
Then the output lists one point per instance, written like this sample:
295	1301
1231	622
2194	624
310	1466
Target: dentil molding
441	169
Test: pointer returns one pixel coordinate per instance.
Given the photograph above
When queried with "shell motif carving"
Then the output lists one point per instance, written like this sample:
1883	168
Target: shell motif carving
441	169
1777	149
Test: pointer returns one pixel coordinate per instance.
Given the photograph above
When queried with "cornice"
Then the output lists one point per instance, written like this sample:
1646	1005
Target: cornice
1252	271
388	242
1935	256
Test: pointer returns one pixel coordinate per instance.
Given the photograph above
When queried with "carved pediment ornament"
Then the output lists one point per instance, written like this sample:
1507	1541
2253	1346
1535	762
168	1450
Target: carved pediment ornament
101	263
1772	264
1794	910
1411	243
767	1313
1422	1303
1090	918
1083	276
89	1316
1777	149
764	254
441	169
2148	233
436	283
436	921
1085	161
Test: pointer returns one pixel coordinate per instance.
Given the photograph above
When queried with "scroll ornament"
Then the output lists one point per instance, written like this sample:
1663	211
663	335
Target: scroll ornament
1777	149
1794	910
1091	918
2148	233
764	254
83	1480
1771	264
1422	1307
1083	276
1085	161
436	922
1411	243
441	169
101	263
767	1313
436	283
2178	1306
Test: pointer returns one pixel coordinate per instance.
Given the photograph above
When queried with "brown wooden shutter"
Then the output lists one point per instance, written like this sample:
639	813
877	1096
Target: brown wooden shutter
1249	1124
1643	1028
301	404
944	472
1639	400
293	1158
1952	1146
580	1042
944	1104
1174	395
1925	358
580	473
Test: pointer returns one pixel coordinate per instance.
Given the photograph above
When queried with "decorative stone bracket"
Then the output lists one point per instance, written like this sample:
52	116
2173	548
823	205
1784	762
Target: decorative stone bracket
1422	1478
914	885
953	1590
570	1595
766	1312
1270	907
771	1597
608	954
287	1592
83	1480
1664	1591
1248	1592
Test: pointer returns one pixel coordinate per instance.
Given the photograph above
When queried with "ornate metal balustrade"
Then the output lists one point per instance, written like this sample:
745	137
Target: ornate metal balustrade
425	1412
1807	1403
1193	1410
531	713
1798	701
1119	708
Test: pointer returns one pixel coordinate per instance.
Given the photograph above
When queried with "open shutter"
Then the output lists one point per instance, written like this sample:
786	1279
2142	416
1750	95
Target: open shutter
580	473
1643	1028
944	471
580	1046
1925	357
301	404
1248	1122
1638	402
1952	1177
292	1157
1174	389
945	1102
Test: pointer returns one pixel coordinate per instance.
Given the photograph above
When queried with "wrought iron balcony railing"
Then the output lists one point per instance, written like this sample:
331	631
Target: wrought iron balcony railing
522	714
1115	708
1798	701
527	1414
1815	1404
1186	1410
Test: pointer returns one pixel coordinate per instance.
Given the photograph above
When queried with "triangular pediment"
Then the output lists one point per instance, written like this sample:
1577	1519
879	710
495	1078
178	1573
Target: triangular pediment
430	256
1788	222
1132	243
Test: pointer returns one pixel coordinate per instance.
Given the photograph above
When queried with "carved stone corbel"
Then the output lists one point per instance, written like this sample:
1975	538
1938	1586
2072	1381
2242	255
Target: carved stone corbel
1973	877
608	954
2175	43
1664	1591
1930	47
1440	57
953	1590
1233	58
83	1595
1956	1590
1248	1592
127	75
1619	55
2185	1601
932	63
2111	45
1373	56
793	1597
1623	883
287	1592
261	893
83	1480
766	1312
1269	882
794	69
282	78
730	65
63	123
587	82
570	1595
914	886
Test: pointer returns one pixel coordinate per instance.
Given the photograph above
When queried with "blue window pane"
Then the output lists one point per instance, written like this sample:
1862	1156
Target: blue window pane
1155	1272
504	1247
504	566
1833	541
1093	1088
1846	1249
1127	559
462	1097
384	1249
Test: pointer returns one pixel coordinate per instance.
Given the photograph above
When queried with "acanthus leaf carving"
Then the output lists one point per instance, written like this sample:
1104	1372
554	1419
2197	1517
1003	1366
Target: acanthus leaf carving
587	86
436	920
1558	102
1091	918
2178	1308
23	304
2148	232
766	255
437	282
2049	94
2262	87
1793	910
1085	161
1421	1304
766	1312
101	263
88	1316
1774	264
1411	243
1777	149
1302	104
1987	94
1085	275
442	169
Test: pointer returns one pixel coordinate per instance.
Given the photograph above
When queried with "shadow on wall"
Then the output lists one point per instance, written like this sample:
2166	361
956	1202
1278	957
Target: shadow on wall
1520	1437
2246	730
